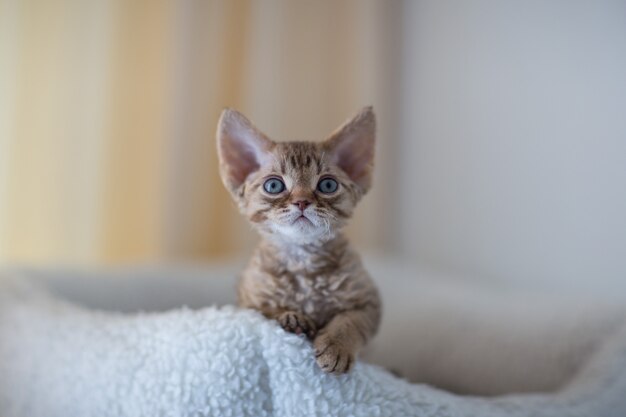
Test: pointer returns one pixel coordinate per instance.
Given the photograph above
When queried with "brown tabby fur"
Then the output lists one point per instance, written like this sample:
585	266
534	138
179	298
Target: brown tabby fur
304	273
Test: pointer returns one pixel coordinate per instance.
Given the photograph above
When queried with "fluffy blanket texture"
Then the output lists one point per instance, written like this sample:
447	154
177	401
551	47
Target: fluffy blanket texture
58	358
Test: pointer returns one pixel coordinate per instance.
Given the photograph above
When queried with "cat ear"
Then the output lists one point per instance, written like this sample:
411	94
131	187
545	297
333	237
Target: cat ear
241	147
351	147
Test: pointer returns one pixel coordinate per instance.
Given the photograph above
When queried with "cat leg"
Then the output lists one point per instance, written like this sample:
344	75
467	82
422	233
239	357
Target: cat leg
337	344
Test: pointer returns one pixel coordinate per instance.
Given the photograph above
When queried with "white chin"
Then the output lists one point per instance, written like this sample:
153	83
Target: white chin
300	229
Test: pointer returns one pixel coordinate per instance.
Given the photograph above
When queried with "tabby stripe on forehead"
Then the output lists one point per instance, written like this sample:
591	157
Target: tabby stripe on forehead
318	161
292	159
308	161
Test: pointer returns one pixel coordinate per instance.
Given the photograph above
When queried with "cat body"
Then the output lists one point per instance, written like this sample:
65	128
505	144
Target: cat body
298	195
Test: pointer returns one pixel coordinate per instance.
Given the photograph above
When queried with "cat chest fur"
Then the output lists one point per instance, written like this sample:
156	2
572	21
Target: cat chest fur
318	295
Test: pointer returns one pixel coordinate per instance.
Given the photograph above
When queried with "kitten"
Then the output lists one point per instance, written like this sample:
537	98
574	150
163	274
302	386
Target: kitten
298	195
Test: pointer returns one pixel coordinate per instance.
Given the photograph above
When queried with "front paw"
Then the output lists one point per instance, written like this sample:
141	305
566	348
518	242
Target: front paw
297	323
331	356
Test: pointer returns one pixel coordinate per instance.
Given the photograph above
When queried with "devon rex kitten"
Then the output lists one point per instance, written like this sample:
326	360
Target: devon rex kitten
298	195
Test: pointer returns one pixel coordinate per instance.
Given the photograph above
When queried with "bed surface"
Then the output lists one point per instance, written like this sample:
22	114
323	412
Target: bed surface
456	334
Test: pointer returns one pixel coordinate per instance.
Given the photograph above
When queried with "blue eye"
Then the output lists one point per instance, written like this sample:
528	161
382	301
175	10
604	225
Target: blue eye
327	186
274	186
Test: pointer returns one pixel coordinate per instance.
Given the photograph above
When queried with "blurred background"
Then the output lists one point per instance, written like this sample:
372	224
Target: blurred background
501	143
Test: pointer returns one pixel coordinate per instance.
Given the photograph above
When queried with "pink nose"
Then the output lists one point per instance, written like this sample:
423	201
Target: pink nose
302	204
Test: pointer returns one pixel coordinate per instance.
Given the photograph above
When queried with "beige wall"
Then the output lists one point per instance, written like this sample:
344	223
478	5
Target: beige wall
515	141
107	145
501	154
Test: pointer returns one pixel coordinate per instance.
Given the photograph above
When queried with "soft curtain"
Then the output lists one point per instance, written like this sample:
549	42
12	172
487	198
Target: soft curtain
108	111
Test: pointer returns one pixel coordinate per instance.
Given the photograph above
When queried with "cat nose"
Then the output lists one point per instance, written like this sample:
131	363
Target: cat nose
302	204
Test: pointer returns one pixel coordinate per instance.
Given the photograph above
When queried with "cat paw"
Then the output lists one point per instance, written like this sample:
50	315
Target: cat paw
331	356
297	323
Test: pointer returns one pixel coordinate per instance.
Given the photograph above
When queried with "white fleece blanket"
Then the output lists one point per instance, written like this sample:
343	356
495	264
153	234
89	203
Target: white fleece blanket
59	359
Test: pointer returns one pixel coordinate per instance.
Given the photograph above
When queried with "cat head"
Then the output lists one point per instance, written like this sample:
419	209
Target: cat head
296	191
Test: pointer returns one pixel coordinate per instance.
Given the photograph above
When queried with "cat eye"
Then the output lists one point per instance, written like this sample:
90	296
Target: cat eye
327	186
274	186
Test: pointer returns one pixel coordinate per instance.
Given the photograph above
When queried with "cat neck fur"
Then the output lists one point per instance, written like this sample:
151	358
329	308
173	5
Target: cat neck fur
296	255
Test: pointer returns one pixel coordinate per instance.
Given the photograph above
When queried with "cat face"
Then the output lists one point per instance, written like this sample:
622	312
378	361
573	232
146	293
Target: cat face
296	191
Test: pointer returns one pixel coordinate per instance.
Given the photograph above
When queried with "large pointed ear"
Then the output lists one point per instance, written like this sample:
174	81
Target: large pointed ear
241	147
351	147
